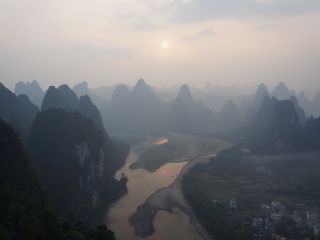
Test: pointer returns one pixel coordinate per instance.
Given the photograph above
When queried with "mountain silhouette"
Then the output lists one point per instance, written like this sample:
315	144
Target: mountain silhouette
282	92
73	161
17	111
88	109
230	116
81	89
136	111
261	93
275	128
198	118
33	90
62	97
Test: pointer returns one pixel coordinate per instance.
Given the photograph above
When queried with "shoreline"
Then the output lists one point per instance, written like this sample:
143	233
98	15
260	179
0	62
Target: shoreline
141	185
168	199
192	149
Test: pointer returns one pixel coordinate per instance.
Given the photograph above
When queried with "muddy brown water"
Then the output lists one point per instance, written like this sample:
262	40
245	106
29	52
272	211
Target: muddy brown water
141	185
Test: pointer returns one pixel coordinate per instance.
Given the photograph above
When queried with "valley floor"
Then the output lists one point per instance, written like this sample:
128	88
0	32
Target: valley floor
174	147
242	196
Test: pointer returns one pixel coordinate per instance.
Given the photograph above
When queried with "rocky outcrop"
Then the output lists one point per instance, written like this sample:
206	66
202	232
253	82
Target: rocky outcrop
32	89
189	116
62	98
69	97
17	111
230	116
88	109
53	99
81	89
282	92
275	128
74	161
300	112
22	203
261	93
305	103
136	111
121	95
316	105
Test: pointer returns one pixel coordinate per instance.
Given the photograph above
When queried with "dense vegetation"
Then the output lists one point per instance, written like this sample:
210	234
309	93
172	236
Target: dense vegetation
177	148
24	211
293	180
74	161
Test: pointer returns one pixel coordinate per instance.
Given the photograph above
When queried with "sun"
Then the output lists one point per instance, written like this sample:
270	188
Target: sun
165	45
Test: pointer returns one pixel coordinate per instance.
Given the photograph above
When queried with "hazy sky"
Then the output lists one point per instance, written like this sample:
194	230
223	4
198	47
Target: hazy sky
118	41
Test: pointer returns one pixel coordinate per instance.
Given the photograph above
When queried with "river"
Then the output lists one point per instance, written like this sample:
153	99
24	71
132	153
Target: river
141	186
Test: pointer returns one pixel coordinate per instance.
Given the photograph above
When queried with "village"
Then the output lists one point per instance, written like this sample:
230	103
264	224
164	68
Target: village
275	221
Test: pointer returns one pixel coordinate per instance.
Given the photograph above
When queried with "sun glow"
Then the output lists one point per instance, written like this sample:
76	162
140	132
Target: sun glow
165	45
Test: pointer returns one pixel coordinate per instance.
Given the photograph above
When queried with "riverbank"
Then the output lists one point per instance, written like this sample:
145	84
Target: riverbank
174	147
140	186
169	199
168	214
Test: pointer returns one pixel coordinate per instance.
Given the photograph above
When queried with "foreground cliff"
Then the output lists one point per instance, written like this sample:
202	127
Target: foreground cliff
24	211
20	194
74	161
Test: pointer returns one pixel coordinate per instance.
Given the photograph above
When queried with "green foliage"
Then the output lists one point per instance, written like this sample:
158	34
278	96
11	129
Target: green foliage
214	217
24	212
70	181
252	180
80	232
178	148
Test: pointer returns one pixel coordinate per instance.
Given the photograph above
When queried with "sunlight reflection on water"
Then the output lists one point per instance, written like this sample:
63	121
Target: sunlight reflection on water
140	186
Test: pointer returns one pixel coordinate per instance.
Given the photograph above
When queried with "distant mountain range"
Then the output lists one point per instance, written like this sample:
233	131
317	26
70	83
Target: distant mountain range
215	97
142	111
142	108
279	125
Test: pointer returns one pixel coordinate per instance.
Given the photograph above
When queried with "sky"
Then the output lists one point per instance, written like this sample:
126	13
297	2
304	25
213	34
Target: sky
166	42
